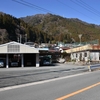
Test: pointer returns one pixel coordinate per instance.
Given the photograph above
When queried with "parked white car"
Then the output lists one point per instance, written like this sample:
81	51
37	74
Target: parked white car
1	64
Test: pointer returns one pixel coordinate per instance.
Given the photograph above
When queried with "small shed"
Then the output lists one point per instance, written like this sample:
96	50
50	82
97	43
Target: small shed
19	55
85	53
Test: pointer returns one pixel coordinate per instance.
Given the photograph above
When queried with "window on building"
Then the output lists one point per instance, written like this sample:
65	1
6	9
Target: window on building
85	54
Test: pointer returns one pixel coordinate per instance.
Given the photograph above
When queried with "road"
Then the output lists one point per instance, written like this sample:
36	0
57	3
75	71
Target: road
81	86
16	76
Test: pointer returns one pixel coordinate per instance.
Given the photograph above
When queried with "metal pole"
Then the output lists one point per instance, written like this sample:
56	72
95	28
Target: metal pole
26	38
20	38
80	35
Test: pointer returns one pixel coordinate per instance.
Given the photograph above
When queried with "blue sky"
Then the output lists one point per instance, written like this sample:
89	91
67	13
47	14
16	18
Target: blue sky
85	10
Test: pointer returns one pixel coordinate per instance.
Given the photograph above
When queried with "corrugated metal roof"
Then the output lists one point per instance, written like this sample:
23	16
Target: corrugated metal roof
83	48
15	47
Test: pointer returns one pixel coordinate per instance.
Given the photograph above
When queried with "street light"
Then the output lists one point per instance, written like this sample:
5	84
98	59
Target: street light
80	36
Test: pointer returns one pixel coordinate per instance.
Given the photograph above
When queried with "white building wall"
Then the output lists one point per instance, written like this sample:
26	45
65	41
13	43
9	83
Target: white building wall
86	56
74	56
94	56
82	56
3	49
37	60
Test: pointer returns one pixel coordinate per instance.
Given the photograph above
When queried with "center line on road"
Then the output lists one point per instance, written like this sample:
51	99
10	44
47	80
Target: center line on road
77	92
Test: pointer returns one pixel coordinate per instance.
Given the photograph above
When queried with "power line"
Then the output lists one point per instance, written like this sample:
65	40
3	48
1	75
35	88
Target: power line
98	12
75	9
86	7
23	2
80	3
36	6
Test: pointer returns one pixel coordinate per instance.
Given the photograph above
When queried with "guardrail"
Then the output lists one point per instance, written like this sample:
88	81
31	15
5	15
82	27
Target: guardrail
93	67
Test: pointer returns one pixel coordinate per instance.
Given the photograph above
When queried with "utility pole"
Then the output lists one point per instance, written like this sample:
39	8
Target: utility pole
25	37
20	38
80	36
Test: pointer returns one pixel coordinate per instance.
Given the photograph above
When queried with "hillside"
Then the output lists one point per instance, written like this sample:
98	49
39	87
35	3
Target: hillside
13	29
46	28
63	29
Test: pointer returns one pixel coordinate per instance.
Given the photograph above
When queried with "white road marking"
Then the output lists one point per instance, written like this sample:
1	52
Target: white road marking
40	82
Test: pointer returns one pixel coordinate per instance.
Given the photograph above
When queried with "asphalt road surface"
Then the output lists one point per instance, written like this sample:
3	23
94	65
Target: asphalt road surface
16	76
80	86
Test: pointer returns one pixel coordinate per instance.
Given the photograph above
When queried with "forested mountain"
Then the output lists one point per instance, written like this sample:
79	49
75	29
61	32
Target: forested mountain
13	29
64	29
46	28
